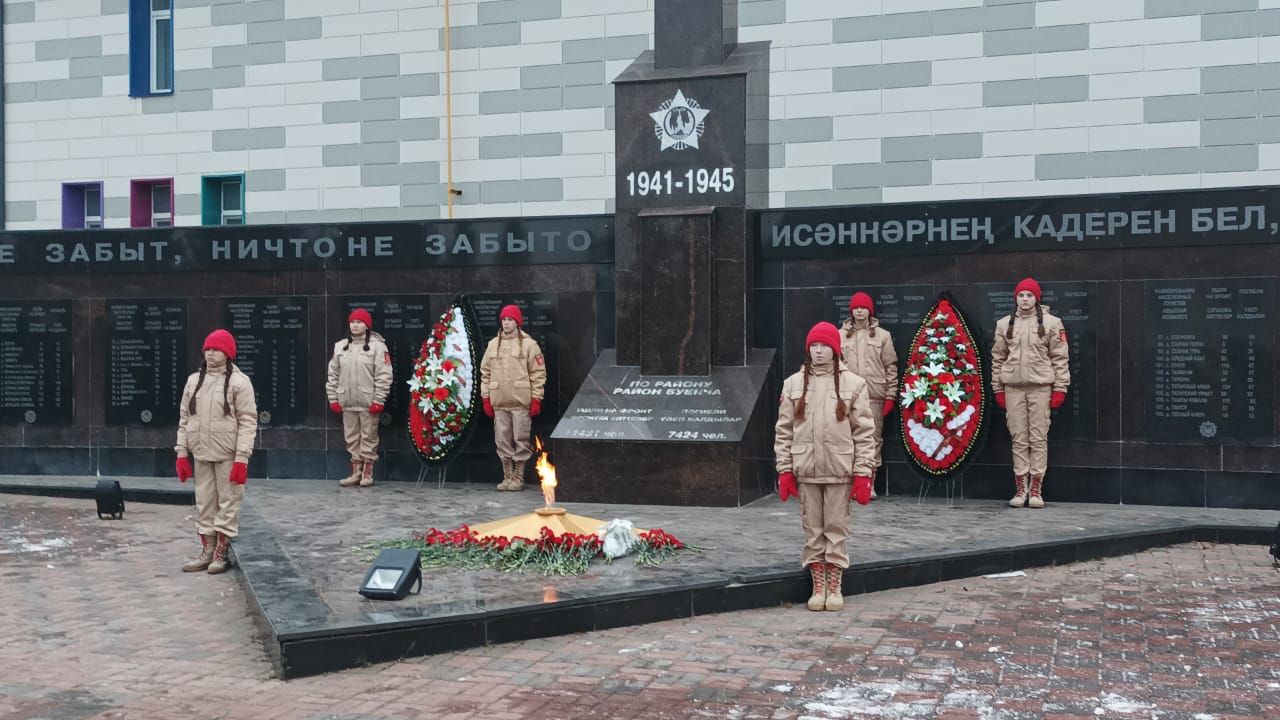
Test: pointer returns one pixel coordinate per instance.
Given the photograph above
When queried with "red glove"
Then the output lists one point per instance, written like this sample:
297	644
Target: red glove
1000	399
336	408
861	490
376	408
787	486
888	407
1056	400
535	407
184	469
239	473
488	407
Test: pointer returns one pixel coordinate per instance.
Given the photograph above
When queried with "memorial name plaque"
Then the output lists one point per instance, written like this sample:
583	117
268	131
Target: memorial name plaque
1210	349
35	362
618	403
899	310
271	340
402	322
1072	302
146	361
539	311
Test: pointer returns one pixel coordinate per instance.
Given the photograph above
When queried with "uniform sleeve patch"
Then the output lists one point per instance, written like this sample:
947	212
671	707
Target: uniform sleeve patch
1062	335
386	358
540	360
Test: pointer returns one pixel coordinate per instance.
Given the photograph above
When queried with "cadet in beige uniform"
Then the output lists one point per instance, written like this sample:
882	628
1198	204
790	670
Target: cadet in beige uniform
825	453
868	351
357	387
217	422
513	374
1029	376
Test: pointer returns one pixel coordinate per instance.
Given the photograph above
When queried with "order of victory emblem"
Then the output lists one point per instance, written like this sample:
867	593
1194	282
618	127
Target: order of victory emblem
678	122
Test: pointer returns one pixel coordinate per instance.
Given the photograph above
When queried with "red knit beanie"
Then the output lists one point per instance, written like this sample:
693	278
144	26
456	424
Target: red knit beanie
363	316
513	312
221	340
861	300
1029	284
825	333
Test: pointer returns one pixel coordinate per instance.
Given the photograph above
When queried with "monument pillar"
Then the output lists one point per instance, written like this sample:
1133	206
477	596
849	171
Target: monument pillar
677	414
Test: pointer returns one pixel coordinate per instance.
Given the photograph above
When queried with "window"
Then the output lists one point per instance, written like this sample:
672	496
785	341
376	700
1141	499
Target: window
232	212
161	205
82	205
150	47
222	200
161	46
151	203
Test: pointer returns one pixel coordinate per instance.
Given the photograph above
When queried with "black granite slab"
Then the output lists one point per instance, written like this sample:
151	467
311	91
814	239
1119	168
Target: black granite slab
302	576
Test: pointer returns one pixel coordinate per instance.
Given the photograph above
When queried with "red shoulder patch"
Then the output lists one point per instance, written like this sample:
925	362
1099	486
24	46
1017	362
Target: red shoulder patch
386	358
1062	335
540	360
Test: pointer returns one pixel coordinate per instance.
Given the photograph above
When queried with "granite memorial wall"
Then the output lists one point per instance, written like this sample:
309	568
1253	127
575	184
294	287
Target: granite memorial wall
1169	300
99	330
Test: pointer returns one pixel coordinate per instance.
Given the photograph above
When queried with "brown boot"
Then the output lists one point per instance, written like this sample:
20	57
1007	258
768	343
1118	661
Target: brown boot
506	475
220	560
206	555
354	477
818	600
1020	496
1037	484
366	475
835	595
517	475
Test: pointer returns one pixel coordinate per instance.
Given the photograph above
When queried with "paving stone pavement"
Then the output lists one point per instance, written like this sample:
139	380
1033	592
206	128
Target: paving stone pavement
97	622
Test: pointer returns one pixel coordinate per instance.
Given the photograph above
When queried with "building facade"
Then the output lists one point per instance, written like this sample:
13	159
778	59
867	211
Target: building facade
122	113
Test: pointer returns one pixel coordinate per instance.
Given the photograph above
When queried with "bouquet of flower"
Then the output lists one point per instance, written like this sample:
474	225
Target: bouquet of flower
942	397
444	388
549	553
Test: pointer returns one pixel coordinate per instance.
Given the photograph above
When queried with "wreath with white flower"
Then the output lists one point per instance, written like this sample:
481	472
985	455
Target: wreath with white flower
444	388
942	397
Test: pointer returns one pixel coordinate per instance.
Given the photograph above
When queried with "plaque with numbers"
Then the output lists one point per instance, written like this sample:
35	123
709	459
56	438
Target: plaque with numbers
899	309
35	362
1072	302
1210	350
402	322
146	361
271	347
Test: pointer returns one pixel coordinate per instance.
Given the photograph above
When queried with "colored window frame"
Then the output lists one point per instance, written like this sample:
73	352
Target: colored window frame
222	199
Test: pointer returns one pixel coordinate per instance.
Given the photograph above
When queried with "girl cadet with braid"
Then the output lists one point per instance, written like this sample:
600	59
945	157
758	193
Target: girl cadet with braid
358	383
217	422
1029	377
825	453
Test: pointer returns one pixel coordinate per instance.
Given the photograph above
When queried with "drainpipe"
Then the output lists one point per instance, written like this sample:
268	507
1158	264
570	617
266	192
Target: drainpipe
448	109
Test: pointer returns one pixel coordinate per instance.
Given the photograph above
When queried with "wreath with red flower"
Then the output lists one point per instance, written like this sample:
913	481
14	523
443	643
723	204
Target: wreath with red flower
942	398
444	388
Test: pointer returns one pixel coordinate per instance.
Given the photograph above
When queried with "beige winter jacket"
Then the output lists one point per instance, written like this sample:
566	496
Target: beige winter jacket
358	377
869	353
211	433
818	448
1030	359
512	372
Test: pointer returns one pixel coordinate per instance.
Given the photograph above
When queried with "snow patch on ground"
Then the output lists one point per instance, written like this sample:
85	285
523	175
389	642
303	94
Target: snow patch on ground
1112	703
15	544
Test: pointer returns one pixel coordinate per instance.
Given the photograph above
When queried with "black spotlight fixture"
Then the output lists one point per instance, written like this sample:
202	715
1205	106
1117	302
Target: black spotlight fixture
392	574
110	499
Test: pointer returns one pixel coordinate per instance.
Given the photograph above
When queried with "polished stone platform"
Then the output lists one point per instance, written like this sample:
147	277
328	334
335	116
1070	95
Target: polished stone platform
300	557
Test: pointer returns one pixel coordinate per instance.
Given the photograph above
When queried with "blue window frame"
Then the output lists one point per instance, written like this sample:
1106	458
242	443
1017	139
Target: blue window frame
150	47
